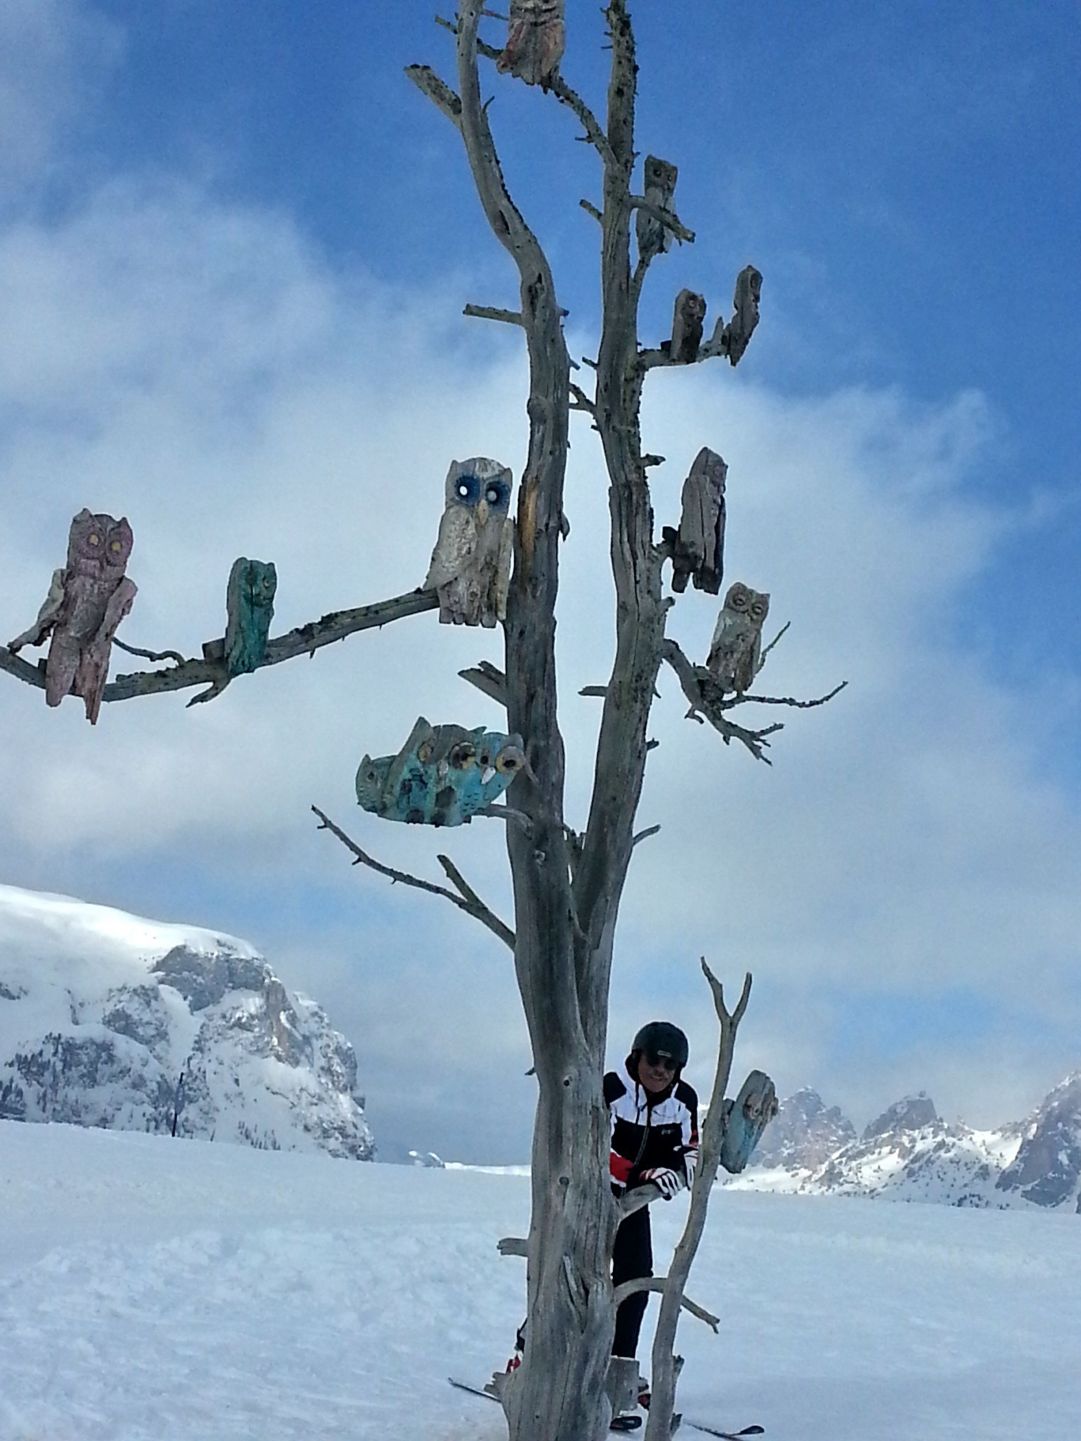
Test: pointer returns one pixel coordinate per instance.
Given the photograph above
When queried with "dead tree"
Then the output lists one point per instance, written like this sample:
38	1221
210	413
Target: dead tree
567	884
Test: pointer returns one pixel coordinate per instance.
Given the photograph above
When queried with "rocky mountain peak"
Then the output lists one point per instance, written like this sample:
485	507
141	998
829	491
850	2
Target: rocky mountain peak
1047	1168
912	1113
804	1133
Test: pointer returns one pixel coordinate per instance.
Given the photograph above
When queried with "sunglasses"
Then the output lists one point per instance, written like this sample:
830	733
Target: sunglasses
659	1058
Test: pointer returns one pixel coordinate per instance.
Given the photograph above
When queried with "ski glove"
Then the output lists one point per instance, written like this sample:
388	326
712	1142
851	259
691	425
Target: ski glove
690	1164
666	1181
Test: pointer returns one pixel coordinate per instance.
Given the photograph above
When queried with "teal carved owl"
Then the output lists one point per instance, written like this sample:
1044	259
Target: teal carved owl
250	609
442	776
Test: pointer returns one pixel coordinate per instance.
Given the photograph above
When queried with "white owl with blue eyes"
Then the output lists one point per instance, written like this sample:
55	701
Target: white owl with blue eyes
470	565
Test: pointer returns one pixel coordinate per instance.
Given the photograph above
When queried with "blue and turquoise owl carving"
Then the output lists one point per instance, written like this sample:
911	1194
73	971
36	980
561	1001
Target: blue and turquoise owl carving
250	609
442	776
470	565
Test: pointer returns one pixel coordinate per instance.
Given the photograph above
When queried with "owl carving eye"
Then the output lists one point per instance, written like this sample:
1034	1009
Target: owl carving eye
467	487
93	538
496	494
114	546
758	610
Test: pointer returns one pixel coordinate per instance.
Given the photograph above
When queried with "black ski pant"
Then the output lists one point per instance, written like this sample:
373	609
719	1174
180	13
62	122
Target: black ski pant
632	1258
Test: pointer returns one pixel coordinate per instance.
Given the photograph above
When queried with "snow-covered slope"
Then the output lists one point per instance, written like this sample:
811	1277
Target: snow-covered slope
157	1290
102	1013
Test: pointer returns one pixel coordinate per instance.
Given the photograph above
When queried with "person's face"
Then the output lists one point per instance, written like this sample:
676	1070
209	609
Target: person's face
655	1071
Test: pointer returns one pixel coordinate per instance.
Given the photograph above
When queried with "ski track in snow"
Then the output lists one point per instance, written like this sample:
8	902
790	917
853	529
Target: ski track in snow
158	1290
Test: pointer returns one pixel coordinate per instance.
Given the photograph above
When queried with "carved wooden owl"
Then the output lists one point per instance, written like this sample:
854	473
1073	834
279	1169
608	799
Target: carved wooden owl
746	304
536	39
735	654
87	600
470	565
442	776
687	320
660	186
698	545
250	609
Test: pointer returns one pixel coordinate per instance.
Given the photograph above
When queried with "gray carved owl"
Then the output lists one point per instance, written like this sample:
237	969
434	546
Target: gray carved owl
735	654
470	566
87	600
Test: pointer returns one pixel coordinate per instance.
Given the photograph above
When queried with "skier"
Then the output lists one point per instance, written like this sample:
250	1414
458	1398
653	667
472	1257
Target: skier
654	1118
654	1137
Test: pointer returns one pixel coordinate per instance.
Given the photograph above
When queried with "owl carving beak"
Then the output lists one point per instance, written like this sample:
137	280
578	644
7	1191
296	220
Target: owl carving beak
482	511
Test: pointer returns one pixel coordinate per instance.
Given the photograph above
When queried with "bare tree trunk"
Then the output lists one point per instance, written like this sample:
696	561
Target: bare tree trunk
558	1394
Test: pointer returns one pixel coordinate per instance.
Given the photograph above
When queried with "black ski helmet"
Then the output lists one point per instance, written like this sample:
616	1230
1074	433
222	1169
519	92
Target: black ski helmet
663	1037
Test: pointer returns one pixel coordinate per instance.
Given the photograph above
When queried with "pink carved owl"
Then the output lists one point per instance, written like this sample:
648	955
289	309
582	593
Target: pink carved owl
87	600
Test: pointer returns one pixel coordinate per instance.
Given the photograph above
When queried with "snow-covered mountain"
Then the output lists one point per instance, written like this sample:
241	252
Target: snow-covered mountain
909	1153
1047	1167
108	1019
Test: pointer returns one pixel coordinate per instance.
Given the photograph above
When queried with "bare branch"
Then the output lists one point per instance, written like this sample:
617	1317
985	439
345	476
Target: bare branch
634	1199
582	400
492	312
666	218
702	707
773	642
212	691
437	91
304	640
557	86
664	1367
591	209
749	696
505	813
658	1283
644	835
467	892
513	1246
154	655
477	910
21	669
489	679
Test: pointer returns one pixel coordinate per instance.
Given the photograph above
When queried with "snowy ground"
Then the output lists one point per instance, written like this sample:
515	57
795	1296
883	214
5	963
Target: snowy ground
157	1290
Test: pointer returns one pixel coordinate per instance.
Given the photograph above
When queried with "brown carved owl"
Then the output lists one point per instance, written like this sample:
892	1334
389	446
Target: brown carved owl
735	654
87	600
536	39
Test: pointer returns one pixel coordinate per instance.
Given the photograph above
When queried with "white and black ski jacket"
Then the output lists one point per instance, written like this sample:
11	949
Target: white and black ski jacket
650	1131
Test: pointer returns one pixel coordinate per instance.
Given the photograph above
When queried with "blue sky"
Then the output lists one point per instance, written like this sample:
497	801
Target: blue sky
238	243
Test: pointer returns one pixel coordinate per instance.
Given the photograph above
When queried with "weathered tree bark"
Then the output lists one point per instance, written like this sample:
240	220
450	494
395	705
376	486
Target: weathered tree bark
558	1394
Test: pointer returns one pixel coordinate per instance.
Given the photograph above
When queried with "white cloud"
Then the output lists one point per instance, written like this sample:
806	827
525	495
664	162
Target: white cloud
52	54
199	367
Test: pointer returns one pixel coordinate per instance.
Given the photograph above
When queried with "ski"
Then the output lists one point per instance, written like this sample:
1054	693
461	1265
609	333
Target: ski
474	1390
677	1420
728	1435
